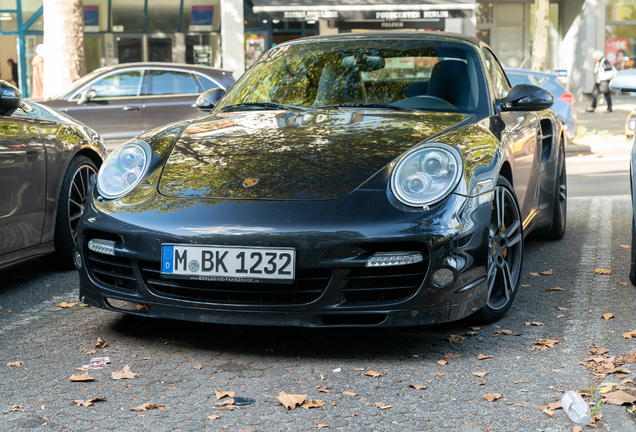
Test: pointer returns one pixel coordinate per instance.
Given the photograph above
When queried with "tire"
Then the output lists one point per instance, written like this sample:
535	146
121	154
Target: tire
505	253
632	269
560	204
74	194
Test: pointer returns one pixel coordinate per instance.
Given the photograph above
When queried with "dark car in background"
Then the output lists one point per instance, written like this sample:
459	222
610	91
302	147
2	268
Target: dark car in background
376	179
47	165
563	100
122	101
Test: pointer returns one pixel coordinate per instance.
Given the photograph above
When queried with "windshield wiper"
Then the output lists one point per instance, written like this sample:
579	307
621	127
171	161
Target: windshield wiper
367	105
266	105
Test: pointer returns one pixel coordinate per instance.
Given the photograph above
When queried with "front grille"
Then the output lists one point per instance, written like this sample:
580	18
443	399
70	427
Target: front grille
379	284
306	288
114	272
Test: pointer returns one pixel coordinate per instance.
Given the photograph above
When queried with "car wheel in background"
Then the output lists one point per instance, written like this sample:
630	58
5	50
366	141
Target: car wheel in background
73	197
560	201
505	253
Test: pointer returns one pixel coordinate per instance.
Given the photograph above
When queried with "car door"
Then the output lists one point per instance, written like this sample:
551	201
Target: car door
117	111
22	182
520	134
170	97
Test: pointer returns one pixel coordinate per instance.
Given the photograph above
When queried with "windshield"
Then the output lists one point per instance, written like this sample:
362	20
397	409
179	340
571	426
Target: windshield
410	73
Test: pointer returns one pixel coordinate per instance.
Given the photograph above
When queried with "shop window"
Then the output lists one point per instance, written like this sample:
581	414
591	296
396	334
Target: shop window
128	15
201	15
171	83
621	10
8	4
620	49
485	13
160	50
8	22
129	49
163	15
198	49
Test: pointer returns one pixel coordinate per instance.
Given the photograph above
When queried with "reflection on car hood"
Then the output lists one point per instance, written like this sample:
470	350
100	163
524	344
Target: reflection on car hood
318	154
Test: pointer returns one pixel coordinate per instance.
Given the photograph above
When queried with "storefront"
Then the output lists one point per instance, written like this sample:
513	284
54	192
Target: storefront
620	33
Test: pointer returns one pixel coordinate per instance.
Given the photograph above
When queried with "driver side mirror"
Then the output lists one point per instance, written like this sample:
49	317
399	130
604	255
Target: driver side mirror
526	97
10	98
87	96
208	100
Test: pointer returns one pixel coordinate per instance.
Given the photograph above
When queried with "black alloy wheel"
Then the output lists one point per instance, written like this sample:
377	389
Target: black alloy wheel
505	252
73	200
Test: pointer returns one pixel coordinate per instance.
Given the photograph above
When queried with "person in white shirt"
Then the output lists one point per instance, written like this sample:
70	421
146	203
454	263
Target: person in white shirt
601	81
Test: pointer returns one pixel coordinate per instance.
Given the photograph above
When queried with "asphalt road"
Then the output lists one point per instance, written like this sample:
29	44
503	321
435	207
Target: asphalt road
181	364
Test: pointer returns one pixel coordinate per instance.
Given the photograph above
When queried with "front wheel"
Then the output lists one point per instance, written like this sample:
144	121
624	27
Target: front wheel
73	200
505	253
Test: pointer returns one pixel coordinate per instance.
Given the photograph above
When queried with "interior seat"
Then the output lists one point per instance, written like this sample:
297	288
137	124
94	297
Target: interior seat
450	81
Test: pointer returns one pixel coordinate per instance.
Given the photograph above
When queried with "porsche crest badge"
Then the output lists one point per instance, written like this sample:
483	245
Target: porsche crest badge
248	183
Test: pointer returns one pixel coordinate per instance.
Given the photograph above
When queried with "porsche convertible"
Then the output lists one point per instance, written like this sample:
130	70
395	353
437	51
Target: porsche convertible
377	179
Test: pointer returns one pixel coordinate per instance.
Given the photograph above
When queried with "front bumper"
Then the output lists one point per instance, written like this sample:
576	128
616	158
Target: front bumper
332	240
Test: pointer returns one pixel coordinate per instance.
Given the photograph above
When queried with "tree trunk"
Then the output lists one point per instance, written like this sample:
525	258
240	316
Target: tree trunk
540	36
64	60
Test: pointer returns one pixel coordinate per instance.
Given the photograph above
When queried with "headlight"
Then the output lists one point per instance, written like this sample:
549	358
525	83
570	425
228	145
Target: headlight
123	169
426	174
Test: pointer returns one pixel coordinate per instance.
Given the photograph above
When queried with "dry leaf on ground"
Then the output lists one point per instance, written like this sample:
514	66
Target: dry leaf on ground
147	406
607	316
522	381
451	355
533	274
577	429
66	305
554	289
603	271
455	338
597	350
562	309
213	417
125	373
533	323
220	395
323	389
480	374
517	404
101	343
312	403
492	397
475	328
198	367
80	378
442	362
227	404
546	272
348	393
479	383
618	397
629	335
417	387
546	410
321	425
483	357
504	331
15	363
373	374
625	246
623	283
87	402
291	401
142	307
544	344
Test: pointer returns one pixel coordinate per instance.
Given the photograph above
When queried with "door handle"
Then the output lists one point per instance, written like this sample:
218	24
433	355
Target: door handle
131	108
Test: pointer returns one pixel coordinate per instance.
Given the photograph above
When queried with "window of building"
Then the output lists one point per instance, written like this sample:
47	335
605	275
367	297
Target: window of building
95	16
620	34
127	15
201	15
163	15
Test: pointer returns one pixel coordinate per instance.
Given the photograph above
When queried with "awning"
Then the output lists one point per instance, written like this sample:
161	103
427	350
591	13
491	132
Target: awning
344	10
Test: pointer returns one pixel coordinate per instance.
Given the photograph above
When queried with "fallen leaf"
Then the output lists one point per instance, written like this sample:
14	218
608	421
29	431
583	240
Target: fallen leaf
525	286
417	387
629	335
619	397
625	246
608	315
147	406
291	401
312	403
544	344
348	393
83	377
623	283
546	410
142	307
323	389
546	272
533	274
221	395
101	343
533	323
358	369
87	402
455	338
483	357
517	404
627	381
522	381
475	328
480	383
597	350
66	305
198	367
577	429
563	309
506	332
321	425
226	402
125	373
373	374
442	362
15	363
492	397
451	355
554	289
603	271
480	374
440	374
606	389
213	417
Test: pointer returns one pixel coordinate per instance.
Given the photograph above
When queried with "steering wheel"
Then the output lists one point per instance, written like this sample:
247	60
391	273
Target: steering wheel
425	101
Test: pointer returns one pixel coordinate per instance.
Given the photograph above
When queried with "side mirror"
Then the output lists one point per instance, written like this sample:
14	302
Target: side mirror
10	98
526	97
88	95
624	81
208	100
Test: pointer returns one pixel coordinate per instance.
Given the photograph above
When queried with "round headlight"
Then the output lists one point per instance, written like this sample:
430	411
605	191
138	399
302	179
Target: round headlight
123	169
426	174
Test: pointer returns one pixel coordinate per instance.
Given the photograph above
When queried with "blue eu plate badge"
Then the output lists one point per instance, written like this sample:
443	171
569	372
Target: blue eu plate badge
167	255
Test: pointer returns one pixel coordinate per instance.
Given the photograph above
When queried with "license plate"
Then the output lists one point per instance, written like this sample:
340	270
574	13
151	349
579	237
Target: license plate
228	263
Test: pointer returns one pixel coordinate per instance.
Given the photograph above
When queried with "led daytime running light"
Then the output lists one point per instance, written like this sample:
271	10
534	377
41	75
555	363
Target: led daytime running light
385	259
106	247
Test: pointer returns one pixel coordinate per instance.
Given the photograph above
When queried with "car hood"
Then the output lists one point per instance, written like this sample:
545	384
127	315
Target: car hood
301	155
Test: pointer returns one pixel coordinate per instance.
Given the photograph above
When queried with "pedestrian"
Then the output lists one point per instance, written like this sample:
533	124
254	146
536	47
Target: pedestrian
603	74
14	71
37	90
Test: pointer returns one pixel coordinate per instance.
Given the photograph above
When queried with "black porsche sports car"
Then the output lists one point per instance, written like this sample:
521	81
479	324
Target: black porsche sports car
369	179
47	163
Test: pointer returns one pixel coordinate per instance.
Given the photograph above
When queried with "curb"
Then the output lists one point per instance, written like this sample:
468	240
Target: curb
577	149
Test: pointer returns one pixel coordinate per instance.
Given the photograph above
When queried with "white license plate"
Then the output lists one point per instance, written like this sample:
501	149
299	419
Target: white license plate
228	263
